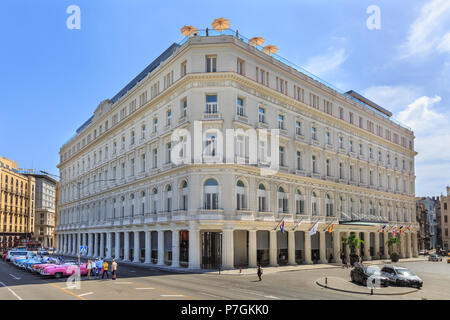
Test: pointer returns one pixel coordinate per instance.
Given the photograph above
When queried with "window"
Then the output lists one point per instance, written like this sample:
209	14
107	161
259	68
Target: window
211	62
210	145
314	164
183	68
184	196
282	156
240	146
327	138
155	200
313	204
211	104
341	113
184	107
329	206
360	122
169	117
169	198
132	167
262	76
314	100
240	196
132	138
341	143
240	106
262	198
281	85
370	153
143	131
298	128
155	158
360	175
168	152
281	122
341	170
211	195
327	107
328	165
282	201
261	115
351	145
240	66
299	203
350	117
299	160
143	162
313	133
142	99
299	93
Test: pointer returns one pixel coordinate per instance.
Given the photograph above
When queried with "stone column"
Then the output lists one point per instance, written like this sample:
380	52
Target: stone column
323	247
175	248
136	248
109	245
64	243
402	245
126	246
308	259
74	244
227	249
90	245
273	248
252	249
291	248
194	248
386	247
336	247
148	247
96	254
117	246
367	246
415	244
376	246
346	248
102	245
408	245
160	247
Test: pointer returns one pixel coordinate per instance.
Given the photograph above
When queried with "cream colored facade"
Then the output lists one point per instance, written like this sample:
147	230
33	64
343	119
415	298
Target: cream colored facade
17	204
445	215
341	163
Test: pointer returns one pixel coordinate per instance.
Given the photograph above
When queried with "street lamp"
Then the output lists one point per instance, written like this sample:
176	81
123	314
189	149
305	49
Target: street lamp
78	184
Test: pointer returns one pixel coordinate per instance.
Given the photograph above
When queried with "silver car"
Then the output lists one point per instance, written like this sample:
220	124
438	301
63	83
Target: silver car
434	257
401	276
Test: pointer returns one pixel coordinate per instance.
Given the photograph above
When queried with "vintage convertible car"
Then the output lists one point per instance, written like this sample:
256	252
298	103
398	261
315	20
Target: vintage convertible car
61	270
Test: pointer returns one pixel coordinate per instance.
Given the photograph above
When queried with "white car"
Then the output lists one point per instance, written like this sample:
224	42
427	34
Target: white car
434	257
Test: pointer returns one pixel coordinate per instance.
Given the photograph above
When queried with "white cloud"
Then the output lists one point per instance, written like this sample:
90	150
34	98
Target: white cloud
444	46
322	65
420	116
426	33
392	98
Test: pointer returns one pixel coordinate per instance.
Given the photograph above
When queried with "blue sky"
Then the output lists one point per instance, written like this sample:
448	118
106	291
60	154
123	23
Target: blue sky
52	78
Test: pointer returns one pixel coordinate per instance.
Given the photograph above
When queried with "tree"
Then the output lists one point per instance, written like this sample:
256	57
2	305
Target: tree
394	241
353	243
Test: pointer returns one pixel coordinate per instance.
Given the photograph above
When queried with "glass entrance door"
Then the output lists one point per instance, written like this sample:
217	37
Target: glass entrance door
211	250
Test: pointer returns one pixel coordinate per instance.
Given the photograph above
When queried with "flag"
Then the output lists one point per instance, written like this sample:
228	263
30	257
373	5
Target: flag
395	231
330	228
282	226
408	227
383	227
313	230
400	229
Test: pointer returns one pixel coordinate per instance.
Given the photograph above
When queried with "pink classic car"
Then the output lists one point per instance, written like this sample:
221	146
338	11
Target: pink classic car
61	270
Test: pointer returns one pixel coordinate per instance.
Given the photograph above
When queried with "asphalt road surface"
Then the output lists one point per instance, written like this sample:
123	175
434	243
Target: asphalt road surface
138	283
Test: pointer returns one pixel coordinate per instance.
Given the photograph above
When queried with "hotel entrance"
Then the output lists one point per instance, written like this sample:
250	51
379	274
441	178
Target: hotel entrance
211	250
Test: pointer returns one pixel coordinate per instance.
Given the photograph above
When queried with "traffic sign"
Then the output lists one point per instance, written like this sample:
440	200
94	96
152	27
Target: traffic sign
83	249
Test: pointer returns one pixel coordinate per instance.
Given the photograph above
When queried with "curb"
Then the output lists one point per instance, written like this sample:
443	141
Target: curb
365	293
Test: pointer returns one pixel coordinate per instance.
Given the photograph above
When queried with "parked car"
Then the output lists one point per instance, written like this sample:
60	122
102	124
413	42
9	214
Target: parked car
360	275
15	253
61	270
434	257
423	252
401	276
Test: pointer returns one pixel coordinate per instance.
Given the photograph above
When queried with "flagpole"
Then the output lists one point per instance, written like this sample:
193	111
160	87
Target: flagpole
279	223
297	224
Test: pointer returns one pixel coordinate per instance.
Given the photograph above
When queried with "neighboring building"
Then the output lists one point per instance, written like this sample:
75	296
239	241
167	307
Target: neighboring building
343	160
45	221
431	207
17	205
423	234
445	213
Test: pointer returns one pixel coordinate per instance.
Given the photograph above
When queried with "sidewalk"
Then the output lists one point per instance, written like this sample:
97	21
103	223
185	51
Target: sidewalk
343	285
252	271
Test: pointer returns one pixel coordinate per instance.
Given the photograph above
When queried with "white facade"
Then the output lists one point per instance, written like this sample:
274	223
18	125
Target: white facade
341	162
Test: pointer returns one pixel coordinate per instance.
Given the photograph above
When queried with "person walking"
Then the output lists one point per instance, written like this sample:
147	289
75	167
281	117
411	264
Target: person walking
114	269
89	269
259	272
93	266
105	270
99	266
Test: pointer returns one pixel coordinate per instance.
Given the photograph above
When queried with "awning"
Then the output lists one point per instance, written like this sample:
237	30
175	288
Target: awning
362	223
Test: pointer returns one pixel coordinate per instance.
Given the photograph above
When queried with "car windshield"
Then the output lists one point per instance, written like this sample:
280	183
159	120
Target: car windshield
372	270
405	272
18	253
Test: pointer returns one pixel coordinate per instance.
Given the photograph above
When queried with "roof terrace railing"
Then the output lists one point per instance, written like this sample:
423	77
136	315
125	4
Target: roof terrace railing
231	32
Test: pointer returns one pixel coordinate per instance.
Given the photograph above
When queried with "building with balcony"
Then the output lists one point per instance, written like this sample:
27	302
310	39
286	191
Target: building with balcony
342	160
17	205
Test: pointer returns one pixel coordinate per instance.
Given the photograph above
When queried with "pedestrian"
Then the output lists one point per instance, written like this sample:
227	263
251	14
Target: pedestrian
105	270
89	269
114	269
93	266
99	266
259	272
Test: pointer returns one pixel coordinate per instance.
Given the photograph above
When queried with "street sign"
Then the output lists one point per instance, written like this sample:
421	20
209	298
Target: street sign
83	249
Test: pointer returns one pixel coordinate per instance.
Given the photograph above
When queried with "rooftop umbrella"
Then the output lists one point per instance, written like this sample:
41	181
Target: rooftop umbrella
270	49
256	41
188	30
220	24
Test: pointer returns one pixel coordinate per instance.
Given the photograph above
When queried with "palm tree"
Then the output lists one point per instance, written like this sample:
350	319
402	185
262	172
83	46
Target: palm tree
353	243
394	241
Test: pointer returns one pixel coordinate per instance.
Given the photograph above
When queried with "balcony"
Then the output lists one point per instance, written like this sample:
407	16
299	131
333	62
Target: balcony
164	216
211	116
179	215
241	118
211	214
244	214
265	216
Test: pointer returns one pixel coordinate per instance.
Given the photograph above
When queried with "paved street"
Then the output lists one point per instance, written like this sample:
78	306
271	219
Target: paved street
138	283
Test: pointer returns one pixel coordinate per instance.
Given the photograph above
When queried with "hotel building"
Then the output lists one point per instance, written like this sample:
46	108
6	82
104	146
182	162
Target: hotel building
343	161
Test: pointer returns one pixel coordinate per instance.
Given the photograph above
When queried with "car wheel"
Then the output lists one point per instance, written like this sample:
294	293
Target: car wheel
58	275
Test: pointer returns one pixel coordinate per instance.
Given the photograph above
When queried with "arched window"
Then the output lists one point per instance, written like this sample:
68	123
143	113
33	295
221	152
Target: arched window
341	206
361	208
132	204
262	198
329	206
122	209
184	195
299	202
314	210
169	198
372	210
240	196
211	194
142	202
282	200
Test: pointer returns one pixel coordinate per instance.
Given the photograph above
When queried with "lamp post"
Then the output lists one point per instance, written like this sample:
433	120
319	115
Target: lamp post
79	187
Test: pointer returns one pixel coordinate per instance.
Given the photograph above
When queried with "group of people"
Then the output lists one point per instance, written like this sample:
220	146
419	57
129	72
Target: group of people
99	267
346	262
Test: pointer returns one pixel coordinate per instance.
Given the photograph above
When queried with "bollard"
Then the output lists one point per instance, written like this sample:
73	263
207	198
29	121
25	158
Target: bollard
371	291
240	269
326	282
219	270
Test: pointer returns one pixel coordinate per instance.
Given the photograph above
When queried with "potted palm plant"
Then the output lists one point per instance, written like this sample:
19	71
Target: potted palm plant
394	241
353	243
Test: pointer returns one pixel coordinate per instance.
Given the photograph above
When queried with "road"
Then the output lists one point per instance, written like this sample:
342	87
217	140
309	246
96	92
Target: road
138	283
